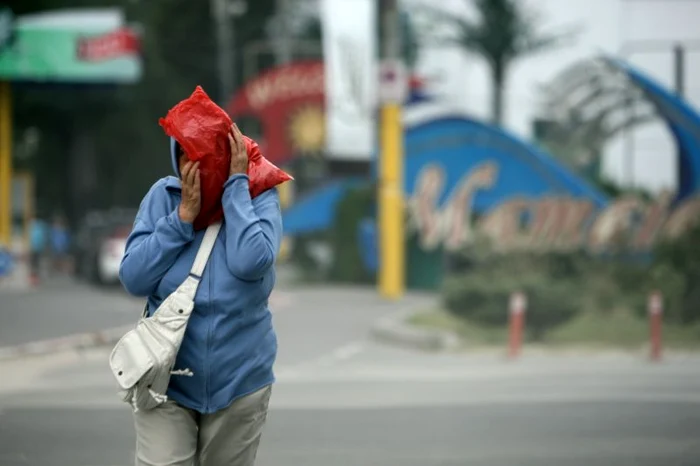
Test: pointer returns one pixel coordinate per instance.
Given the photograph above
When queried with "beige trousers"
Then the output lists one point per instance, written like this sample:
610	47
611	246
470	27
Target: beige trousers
171	435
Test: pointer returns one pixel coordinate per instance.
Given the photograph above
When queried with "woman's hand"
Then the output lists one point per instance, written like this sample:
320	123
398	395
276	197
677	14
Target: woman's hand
239	154
191	201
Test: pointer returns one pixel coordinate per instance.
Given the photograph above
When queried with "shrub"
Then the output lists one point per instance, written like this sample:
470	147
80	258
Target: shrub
560	285
347	264
483	297
676	272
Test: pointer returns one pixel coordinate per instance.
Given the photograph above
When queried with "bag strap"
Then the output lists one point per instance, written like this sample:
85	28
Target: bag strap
191	283
200	261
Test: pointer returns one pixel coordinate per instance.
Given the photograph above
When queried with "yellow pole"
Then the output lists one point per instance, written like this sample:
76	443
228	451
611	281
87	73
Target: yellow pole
286	196
391	205
5	164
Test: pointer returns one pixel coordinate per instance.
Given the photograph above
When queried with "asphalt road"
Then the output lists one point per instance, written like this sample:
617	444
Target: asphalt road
344	400
582	434
364	404
65	307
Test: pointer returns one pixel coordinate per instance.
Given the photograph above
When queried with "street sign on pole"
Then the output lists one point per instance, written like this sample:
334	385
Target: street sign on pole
393	82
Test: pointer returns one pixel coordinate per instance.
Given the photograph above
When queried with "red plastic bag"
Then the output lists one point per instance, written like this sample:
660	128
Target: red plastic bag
262	173
201	127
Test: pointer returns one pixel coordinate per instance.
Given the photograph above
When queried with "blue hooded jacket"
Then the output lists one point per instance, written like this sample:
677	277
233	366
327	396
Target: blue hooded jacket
229	345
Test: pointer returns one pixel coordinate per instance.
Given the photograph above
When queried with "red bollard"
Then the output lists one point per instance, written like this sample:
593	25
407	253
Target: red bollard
517	307
656	312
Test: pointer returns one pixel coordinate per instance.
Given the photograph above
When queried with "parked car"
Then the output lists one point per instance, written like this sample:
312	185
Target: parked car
100	244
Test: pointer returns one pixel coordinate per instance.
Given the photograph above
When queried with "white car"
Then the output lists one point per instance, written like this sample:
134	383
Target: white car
109	258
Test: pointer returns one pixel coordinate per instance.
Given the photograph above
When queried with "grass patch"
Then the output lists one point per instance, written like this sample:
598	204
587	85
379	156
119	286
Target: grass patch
470	333
619	329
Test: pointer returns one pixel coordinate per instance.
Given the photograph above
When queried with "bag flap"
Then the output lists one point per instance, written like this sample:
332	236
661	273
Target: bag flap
130	360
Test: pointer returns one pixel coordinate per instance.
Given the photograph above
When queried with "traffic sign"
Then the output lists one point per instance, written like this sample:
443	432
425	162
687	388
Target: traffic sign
393	82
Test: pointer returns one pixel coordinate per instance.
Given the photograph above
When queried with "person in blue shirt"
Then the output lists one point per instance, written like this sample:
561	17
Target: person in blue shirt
60	244
38	238
215	413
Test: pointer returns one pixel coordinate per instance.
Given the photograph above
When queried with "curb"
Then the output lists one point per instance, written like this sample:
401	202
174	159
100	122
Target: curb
394	330
72	342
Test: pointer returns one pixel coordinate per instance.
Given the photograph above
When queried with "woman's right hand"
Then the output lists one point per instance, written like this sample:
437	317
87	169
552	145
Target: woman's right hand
191	201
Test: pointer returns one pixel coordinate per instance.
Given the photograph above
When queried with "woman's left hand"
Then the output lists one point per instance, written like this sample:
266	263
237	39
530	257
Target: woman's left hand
239	154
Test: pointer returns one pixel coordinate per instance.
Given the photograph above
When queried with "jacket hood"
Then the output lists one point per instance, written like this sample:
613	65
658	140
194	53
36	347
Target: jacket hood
173	156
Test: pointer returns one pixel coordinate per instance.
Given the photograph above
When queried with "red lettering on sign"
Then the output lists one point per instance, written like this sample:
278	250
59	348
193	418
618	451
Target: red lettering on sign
273	97
108	46
294	84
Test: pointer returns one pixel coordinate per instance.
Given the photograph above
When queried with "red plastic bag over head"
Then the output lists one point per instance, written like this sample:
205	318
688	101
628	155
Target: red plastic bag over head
201	128
262	173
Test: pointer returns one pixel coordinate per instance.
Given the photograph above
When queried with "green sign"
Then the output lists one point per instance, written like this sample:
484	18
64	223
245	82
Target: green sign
80	54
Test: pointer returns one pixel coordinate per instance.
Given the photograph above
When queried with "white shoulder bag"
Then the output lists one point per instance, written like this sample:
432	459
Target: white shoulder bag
143	360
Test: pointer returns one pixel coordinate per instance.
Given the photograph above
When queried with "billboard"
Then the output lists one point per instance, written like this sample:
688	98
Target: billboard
436	75
73	46
288	101
351	70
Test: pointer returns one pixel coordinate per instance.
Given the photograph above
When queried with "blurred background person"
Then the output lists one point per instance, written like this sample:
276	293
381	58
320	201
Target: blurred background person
60	246
38	241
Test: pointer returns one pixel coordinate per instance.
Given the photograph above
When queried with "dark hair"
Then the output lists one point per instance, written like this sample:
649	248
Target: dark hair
179	150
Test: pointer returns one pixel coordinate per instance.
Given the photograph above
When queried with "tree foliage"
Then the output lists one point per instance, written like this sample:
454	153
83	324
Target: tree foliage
501	32
102	146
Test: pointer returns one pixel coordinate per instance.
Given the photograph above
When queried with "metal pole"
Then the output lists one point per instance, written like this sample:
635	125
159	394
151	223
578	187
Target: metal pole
679	69
224	45
5	164
629	144
283	50
679	51
391	203
628	136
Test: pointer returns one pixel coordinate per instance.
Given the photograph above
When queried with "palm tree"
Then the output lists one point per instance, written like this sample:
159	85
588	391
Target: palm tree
501	32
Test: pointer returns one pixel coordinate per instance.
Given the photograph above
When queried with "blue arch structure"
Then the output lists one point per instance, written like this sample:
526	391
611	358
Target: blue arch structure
682	120
458	144
314	211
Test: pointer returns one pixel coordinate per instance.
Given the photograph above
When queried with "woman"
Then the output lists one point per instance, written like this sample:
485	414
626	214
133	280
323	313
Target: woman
215	415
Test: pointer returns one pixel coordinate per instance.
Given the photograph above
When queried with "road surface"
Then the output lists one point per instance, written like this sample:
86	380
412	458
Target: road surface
344	400
65	307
